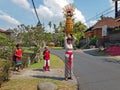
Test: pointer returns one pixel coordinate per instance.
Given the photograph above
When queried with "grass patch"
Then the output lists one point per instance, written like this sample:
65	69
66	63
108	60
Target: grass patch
55	62
31	84
28	51
57	48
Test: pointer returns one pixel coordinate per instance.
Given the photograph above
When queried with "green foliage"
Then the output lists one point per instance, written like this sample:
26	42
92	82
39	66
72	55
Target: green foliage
78	30
28	53
58	39
31	36
58	48
50	24
7	43
61	26
6	52
48	38
93	40
25	61
79	27
3	39
4	70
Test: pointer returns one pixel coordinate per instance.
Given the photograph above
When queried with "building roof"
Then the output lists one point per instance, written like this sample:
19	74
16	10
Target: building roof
89	29
2	31
110	22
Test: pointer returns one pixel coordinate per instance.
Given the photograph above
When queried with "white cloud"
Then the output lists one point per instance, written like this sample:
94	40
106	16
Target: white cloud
91	23
51	10
45	12
23	3
79	17
9	19
112	3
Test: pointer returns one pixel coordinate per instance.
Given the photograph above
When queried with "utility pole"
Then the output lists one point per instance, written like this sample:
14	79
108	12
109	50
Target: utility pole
116	8
39	23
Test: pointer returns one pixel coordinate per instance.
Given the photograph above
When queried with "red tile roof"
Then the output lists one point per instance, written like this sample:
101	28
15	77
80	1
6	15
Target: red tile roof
2	30
110	22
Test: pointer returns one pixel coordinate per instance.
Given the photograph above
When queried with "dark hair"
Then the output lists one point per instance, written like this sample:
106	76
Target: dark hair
69	39
17	45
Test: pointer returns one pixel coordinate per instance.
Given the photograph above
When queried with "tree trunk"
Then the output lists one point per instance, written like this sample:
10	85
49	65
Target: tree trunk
37	56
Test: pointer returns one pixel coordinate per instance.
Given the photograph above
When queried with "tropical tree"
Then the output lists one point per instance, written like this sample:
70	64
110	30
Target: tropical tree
3	39
56	29
61	26
50	24
33	36
79	29
7	46
48	38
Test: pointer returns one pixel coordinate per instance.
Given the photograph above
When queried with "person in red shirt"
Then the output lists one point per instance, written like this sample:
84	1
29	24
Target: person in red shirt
46	57
18	57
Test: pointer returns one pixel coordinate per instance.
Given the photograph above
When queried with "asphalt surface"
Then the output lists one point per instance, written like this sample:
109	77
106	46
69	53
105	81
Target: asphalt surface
94	72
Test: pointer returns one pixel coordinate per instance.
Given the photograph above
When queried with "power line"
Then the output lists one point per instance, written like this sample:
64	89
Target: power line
101	13
36	12
105	12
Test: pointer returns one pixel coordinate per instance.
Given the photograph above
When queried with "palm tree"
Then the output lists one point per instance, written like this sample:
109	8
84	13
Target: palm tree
55	28
50	24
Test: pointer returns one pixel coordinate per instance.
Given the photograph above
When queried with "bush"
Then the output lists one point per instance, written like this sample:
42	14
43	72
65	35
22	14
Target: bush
4	70
25	61
93	40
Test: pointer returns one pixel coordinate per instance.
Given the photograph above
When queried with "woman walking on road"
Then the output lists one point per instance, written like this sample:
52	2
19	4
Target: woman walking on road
69	41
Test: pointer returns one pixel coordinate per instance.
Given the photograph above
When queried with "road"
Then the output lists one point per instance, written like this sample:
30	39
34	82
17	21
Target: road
93	72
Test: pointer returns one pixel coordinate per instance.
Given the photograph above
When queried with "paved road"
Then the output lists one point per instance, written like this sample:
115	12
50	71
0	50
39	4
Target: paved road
94	73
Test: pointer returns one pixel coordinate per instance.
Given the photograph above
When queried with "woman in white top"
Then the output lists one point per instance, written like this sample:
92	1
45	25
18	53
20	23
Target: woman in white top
69	41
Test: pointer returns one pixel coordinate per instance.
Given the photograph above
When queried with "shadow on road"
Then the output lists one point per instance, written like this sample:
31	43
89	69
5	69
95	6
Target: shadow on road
111	60
37	69
95	52
49	77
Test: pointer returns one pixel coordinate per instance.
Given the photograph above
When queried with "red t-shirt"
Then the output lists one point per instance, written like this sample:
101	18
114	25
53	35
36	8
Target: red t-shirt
18	52
46	55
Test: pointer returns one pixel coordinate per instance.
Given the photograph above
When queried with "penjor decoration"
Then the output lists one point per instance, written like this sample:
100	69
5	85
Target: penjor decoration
68	13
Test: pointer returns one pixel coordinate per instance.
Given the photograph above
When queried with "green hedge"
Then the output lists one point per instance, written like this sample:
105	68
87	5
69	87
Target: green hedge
25	61
4	70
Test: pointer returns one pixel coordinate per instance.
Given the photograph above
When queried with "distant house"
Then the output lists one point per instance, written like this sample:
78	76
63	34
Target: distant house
97	30
89	33
7	32
2	31
105	30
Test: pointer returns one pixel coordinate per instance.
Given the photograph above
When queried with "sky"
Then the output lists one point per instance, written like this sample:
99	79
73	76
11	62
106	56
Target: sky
16	12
